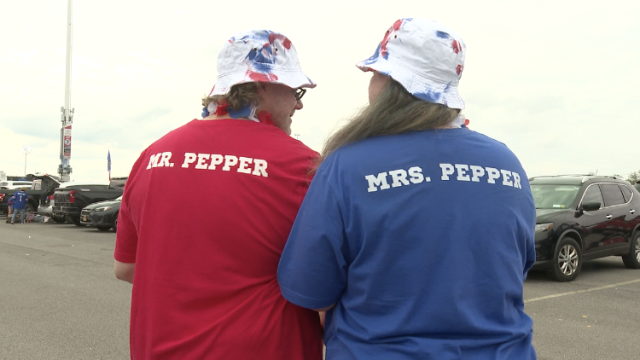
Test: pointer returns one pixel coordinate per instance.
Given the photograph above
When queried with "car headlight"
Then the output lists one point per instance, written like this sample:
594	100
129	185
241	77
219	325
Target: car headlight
102	208
543	227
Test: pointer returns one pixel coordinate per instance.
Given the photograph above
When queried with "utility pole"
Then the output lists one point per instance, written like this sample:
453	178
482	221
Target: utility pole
67	112
26	150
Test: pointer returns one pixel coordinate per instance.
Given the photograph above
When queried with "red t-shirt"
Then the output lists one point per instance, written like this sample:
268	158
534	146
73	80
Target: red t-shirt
205	215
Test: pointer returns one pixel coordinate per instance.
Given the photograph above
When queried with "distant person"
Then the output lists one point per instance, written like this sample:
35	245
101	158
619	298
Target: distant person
204	277
416	234
19	203
9	208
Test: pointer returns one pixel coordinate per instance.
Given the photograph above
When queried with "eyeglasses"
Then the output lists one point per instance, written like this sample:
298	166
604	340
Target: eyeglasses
299	93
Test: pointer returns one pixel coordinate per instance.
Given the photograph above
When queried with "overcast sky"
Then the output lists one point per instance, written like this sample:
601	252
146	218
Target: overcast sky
556	81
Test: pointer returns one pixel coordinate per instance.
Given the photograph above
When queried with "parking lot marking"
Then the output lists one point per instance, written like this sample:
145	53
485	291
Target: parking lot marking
581	291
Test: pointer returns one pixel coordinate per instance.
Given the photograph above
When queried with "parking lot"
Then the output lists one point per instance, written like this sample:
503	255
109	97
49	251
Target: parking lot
60	300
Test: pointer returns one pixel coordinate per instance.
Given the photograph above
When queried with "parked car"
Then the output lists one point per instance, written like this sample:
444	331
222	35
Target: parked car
103	215
15	185
581	217
41	188
72	197
638	185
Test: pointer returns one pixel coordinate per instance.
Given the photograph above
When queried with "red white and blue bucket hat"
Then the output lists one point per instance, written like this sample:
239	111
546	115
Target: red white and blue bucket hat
425	57
262	56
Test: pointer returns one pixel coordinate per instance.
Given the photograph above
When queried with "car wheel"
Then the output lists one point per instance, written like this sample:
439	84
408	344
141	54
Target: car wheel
567	261
28	209
632	259
115	223
59	220
103	227
75	221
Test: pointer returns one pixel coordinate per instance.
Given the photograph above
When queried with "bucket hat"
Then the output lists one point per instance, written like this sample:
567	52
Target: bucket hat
425	57
262	56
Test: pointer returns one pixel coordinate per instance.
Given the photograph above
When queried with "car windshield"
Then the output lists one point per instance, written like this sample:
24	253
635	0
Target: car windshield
554	196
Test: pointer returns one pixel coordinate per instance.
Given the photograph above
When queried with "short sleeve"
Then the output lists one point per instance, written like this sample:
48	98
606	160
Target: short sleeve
127	236
313	272
531	247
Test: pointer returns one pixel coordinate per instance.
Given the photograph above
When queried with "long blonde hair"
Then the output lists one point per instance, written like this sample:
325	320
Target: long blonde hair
393	111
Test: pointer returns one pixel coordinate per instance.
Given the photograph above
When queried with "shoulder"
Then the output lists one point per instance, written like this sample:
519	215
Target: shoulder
476	135
301	147
281	142
497	146
178	132
169	137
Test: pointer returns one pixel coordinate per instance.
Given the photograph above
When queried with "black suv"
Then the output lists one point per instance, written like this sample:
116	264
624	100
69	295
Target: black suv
583	217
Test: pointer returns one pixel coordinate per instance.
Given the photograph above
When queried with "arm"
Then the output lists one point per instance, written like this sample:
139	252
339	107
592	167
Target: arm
323	313
312	271
124	271
126	248
324	310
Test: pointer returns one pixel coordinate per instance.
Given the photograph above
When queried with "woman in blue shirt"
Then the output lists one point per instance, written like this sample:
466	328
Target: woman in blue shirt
416	233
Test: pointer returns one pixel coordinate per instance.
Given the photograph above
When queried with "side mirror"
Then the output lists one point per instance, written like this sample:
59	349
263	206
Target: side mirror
591	206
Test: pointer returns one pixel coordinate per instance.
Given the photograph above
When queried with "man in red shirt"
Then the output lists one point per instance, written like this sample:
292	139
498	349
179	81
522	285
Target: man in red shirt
204	280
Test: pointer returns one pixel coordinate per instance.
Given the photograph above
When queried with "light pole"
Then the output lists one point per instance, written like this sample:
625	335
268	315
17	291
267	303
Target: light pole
67	112
26	150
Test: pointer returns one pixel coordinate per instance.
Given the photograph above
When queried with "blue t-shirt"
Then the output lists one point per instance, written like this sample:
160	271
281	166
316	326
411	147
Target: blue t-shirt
422	241
20	200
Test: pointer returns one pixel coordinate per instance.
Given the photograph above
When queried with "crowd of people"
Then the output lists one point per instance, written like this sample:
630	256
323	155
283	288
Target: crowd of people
408	237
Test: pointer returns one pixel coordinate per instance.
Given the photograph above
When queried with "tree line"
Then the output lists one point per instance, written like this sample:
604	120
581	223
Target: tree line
634	177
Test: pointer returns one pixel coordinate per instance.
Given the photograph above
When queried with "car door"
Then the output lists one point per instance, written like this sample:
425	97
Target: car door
617	212
631	212
594	223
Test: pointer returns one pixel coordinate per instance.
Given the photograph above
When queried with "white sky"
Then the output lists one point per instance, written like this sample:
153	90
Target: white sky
553	80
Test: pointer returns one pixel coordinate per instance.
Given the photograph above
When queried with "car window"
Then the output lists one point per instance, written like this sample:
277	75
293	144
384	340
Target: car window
626	192
612	194
14	184
554	196
593	194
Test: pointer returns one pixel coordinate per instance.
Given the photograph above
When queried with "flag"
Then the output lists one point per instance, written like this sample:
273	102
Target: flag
109	163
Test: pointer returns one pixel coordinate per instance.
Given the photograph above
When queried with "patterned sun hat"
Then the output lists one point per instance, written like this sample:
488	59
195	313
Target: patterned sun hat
259	55
425	57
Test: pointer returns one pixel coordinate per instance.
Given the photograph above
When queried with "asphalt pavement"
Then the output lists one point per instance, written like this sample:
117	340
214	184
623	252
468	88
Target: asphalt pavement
595	317
60	300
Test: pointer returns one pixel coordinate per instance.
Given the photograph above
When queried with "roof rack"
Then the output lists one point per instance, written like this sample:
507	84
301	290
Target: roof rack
585	176
548	176
602	176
